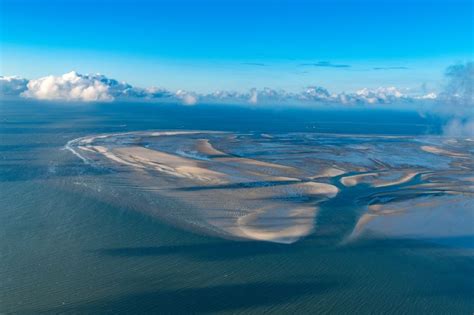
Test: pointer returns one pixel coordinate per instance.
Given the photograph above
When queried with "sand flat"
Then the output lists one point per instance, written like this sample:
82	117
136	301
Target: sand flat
250	198
171	164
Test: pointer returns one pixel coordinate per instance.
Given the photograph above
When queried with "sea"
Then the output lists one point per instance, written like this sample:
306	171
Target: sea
69	246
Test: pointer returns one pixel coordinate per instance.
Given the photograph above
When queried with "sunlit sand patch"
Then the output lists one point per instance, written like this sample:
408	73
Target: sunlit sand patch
177	133
174	165
380	179
296	223
313	188
402	179
111	156
436	150
278	178
205	147
86	148
329	172
353	180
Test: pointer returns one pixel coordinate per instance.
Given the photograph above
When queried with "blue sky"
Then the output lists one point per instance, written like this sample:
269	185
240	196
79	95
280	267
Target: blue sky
237	45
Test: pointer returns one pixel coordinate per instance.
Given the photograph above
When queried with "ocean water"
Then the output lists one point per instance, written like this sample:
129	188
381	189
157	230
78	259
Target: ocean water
70	244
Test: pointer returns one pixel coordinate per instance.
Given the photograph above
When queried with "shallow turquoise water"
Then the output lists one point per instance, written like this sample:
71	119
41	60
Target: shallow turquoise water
66	247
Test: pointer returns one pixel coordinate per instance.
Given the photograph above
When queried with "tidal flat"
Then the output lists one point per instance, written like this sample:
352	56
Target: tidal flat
254	187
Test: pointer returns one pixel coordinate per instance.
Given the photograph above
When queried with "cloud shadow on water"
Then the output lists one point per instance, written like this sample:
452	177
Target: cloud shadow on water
227	297
209	251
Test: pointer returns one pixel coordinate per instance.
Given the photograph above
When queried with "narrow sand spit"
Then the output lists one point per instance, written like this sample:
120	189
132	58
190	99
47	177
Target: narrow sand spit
406	178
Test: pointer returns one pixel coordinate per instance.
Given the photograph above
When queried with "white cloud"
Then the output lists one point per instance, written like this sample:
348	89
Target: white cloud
428	96
233	97
12	85
188	98
77	87
155	92
73	86
454	103
69	87
253	98
315	93
456	100
226	96
458	127
380	95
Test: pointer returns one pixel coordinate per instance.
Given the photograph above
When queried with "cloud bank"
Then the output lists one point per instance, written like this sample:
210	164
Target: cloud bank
454	101
73	86
76	87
